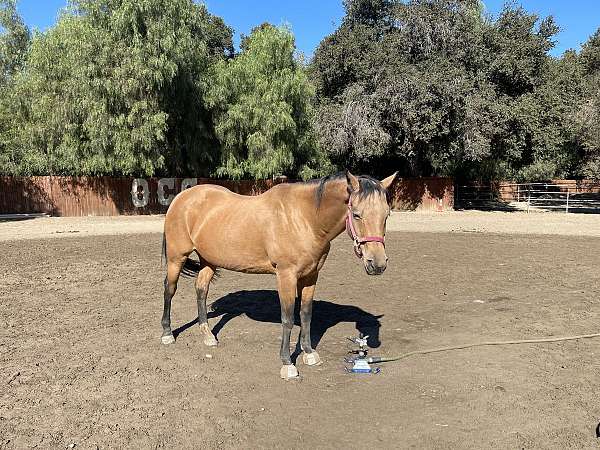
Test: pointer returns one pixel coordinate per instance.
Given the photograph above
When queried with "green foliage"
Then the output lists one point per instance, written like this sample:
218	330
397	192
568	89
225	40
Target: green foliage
14	44
427	87
434	87
518	51
587	116
14	41
590	54
116	88
261	102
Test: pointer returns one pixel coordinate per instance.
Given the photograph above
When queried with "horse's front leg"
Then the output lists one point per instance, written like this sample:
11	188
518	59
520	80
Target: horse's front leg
306	291
286	285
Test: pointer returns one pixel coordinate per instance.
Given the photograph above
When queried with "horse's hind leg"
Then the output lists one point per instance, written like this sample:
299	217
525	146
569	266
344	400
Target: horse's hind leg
202	284
173	270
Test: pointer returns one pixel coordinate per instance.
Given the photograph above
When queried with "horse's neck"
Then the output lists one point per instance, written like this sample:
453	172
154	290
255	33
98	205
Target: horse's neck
331	215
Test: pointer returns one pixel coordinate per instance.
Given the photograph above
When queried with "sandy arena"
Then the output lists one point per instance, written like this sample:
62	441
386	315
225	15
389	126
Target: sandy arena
81	364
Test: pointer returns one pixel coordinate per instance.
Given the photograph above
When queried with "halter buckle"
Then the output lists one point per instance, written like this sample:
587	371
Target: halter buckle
357	248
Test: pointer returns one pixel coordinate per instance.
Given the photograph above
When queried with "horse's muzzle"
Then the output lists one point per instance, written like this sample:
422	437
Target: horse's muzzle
373	269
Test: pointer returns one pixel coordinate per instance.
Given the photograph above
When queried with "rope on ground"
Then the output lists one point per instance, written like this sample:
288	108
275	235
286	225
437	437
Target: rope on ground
376	359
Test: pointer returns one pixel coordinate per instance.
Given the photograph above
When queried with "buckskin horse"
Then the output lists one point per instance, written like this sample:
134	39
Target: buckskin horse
286	231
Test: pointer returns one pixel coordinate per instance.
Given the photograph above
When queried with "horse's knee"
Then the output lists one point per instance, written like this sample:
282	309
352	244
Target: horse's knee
170	287
170	290
287	323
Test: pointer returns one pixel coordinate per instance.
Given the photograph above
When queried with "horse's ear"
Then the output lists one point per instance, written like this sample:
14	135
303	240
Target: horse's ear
353	183
386	183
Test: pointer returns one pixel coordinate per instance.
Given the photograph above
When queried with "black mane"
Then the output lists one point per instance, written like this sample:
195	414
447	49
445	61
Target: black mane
368	186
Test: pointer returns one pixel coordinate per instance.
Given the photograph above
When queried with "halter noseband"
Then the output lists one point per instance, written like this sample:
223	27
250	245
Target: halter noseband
358	241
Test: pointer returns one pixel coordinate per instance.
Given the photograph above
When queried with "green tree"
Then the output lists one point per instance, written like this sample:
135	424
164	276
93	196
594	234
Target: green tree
261	101
436	87
399	83
14	41
587	117
116	87
14	44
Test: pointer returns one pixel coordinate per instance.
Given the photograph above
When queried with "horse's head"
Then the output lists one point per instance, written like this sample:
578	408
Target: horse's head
368	210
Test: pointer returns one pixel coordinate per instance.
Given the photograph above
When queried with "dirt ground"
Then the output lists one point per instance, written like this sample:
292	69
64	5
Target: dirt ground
446	222
81	364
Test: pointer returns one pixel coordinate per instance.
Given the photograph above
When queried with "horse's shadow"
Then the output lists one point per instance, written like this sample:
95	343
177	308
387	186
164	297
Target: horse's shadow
263	306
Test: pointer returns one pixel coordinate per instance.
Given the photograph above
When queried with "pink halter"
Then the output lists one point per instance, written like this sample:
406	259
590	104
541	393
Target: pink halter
358	241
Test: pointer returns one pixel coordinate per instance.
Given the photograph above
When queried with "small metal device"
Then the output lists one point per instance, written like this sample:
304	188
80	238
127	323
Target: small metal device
359	363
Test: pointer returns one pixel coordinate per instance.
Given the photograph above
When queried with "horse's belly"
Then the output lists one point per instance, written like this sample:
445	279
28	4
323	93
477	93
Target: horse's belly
238	260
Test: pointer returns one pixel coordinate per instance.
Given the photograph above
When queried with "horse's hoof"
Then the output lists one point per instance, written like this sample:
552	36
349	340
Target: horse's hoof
210	341
289	372
311	359
168	339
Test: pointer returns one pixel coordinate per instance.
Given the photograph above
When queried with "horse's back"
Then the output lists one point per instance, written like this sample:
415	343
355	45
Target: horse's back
203	196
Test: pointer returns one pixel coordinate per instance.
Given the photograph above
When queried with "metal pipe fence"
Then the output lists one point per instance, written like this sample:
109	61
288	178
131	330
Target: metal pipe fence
567	196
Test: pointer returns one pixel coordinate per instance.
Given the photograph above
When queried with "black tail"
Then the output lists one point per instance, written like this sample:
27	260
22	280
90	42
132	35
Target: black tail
163	254
191	268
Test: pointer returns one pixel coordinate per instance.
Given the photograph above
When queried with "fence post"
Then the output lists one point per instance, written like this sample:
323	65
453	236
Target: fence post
528	199
567	212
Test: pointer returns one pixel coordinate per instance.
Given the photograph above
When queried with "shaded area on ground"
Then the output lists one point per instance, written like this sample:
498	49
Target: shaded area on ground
263	306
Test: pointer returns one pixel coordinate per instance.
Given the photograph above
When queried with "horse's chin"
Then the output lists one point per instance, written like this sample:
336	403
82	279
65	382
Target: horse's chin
374	272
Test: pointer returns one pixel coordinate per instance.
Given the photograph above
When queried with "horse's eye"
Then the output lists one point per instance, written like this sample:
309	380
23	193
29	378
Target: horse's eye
356	215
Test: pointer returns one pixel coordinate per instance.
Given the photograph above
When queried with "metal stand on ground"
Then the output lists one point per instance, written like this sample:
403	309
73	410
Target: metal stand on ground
360	363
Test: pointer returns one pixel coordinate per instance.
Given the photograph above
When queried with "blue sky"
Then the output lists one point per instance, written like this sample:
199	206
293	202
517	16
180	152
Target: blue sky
311	20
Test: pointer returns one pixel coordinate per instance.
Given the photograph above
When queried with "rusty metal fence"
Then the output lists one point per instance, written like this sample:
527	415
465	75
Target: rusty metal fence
110	196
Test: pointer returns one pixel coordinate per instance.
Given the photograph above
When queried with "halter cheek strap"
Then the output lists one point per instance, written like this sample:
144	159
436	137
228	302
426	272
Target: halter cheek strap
358	241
